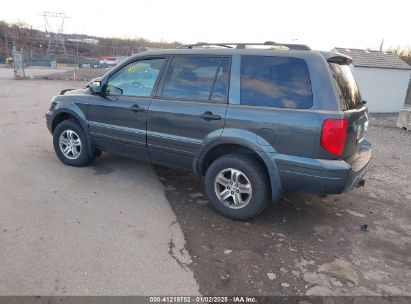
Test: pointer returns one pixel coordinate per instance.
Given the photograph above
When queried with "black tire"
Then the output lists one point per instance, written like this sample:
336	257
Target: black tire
83	158
256	176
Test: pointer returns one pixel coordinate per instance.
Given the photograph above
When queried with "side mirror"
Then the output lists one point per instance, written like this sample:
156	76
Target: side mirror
363	102
96	87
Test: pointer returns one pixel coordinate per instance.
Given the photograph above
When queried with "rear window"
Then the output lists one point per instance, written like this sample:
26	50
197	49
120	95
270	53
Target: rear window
275	82
346	86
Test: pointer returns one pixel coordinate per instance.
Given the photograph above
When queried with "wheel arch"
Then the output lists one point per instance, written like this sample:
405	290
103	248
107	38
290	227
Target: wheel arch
61	116
67	114
238	146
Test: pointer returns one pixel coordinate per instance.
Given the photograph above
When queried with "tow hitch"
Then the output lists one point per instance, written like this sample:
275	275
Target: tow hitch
361	183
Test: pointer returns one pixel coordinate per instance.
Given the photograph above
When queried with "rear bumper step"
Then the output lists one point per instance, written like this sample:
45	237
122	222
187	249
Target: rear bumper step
299	174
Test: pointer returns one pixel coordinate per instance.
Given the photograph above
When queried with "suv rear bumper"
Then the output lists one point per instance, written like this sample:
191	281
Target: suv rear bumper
300	174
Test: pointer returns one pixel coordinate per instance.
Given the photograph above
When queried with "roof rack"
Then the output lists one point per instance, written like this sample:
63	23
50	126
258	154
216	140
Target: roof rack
242	45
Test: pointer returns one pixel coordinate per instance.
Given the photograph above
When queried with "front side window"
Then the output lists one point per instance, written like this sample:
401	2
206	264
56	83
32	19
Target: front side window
275	82
135	79
197	78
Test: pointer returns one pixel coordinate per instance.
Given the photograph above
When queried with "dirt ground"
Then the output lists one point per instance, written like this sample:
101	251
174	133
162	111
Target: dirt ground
65	73
80	74
307	245
31	73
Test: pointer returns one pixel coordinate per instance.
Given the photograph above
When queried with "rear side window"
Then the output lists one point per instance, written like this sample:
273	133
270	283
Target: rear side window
197	78
275	82
346	86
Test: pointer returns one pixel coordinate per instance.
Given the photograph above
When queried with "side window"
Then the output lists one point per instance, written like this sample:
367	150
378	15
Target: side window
346	86
197	78
135	79
275	82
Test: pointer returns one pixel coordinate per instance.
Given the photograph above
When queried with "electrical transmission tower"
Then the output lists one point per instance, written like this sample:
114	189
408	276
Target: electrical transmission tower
54	28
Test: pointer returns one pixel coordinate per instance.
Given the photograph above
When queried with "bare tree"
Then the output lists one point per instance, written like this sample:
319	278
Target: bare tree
401	52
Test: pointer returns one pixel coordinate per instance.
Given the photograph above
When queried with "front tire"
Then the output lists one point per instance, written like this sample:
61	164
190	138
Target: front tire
70	144
237	186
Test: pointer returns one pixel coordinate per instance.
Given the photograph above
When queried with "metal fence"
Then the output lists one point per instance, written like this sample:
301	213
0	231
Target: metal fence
41	63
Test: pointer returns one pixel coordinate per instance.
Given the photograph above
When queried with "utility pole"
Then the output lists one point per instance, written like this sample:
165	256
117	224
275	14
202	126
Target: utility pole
382	44
77	61
7	46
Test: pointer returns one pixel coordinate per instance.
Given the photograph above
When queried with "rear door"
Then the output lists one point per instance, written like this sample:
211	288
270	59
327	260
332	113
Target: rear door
190	108
352	105
118	118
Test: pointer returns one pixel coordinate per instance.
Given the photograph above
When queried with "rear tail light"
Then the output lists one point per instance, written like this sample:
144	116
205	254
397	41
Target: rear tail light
333	135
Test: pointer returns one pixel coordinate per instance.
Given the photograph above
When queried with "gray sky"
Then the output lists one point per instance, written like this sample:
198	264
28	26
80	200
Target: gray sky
320	24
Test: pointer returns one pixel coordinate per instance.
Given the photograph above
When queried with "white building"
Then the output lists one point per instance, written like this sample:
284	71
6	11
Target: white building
382	77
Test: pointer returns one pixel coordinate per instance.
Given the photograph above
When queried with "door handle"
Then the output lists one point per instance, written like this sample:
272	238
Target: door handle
210	116
136	108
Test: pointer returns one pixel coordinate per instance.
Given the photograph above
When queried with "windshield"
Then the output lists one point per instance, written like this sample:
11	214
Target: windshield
346	86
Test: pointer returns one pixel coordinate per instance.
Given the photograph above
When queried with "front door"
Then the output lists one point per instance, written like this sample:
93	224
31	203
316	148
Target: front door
118	118
189	110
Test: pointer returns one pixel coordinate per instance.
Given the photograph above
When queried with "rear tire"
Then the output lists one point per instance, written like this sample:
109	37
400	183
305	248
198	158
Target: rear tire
237	186
70	144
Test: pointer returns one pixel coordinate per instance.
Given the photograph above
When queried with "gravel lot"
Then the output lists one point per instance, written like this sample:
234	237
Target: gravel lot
307	245
108	228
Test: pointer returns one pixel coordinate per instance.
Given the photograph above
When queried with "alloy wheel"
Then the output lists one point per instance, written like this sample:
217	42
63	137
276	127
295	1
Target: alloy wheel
233	188
70	144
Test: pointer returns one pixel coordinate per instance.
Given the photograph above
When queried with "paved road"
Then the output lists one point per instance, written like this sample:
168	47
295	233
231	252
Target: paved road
106	229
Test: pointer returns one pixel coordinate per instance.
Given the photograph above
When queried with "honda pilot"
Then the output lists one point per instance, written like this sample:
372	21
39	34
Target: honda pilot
256	120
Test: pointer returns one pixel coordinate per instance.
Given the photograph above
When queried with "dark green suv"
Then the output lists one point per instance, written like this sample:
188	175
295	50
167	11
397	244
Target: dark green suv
255	119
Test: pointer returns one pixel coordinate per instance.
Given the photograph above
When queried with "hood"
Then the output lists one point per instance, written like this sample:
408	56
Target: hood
75	91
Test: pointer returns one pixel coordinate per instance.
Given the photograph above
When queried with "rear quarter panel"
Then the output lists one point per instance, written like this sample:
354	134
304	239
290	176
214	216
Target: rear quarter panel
283	130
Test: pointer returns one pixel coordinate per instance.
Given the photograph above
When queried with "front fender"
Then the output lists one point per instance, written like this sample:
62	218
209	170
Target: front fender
76	111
